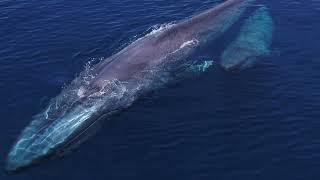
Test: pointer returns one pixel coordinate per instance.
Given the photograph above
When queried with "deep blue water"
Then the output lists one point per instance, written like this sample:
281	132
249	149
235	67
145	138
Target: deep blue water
261	123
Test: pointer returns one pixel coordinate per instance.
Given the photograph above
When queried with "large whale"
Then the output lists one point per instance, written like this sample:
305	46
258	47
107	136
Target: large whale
253	42
116	82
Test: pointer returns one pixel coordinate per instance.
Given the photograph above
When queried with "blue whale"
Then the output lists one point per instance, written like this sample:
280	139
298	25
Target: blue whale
115	83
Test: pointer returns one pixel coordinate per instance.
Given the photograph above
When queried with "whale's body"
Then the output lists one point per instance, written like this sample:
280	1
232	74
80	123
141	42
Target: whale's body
115	83
252	43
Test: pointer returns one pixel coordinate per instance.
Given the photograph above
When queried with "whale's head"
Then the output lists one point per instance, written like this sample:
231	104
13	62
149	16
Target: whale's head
45	138
66	122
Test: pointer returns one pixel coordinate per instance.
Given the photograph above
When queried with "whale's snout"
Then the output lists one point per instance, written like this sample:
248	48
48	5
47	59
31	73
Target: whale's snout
46	138
19	159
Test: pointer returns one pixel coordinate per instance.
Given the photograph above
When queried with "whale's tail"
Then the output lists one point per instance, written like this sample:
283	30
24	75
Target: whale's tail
252	43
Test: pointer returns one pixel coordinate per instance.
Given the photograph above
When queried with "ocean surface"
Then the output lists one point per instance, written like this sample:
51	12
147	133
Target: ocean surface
261	123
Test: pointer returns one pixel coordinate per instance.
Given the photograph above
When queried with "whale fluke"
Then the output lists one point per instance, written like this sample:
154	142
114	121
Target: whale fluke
252	43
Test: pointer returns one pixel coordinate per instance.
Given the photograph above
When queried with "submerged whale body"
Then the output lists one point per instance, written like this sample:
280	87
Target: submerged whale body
115	83
252	43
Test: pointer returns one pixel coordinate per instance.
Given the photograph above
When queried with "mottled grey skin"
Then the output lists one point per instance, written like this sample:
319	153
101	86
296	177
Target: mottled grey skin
115	83
252	43
153	48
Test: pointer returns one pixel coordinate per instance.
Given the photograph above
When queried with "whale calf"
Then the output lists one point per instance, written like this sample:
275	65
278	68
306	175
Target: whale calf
115	83
252	43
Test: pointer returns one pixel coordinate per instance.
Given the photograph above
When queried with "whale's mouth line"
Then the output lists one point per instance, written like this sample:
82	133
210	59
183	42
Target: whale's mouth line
82	134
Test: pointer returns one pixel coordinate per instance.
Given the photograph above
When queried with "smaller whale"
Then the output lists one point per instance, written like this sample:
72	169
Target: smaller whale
252	43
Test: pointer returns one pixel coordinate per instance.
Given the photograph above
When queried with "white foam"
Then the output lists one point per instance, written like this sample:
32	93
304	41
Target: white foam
189	43
160	28
81	92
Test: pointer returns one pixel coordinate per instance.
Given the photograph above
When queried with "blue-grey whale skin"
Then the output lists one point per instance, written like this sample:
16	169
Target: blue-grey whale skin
252	43
115	83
